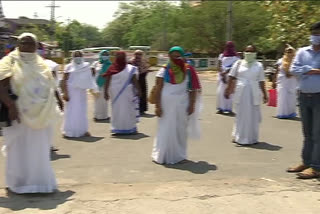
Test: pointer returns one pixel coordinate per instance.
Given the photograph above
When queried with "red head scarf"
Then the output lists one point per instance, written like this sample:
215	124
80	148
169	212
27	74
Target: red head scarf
119	64
230	49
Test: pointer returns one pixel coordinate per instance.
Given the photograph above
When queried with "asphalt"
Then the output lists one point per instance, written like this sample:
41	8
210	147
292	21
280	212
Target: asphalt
106	174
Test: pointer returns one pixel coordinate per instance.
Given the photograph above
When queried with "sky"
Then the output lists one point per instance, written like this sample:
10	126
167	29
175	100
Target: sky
97	13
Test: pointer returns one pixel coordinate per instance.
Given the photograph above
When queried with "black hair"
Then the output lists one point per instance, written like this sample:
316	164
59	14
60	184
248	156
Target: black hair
315	26
40	46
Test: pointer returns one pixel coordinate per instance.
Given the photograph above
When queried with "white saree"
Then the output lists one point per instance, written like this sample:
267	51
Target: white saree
247	100
175	125
124	102
224	104
100	103
27	144
76	122
287	95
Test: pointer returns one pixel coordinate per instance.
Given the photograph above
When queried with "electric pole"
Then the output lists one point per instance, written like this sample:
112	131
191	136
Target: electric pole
52	19
2	22
164	27
229	21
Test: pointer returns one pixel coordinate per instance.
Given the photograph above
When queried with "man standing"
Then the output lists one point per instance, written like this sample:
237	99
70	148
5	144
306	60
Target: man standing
143	68
306	66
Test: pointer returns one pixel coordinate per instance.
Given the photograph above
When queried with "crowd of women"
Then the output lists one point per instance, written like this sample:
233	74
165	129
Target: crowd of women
31	103
241	83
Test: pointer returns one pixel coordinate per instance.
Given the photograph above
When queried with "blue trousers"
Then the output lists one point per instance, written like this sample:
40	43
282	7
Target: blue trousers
310	116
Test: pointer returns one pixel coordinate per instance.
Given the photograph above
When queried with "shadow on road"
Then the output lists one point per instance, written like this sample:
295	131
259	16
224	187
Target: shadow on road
200	167
50	201
265	146
293	119
56	156
148	115
227	114
102	121
88	139
137	136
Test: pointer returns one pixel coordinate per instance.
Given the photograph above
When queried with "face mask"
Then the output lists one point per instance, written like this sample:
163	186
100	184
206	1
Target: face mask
178	61
315	40
104	58
77	60
28	57
250	56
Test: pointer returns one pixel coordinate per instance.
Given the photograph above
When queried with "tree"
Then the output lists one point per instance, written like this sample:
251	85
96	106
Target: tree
291	21
40	32
75	35
200	29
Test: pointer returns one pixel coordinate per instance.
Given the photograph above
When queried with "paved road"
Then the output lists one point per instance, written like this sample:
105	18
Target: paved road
105	174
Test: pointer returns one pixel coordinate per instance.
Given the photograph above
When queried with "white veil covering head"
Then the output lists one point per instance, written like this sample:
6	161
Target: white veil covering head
83	78
34	84
27	57
76	51
23	35
77	61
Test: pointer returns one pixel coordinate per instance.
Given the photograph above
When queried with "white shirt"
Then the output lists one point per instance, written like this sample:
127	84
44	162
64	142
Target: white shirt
248	76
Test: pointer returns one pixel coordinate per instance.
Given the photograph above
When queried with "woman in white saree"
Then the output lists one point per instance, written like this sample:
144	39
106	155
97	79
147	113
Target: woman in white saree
77	79
99	68
286	87
247	76
226	60
123	86
33	114
177	107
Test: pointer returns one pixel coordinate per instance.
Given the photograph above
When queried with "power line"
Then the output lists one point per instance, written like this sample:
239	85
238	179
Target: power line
53	7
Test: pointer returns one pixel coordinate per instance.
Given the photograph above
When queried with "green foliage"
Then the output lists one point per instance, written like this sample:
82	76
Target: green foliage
75	36
291	21
40	32
202	28
267	24
161	24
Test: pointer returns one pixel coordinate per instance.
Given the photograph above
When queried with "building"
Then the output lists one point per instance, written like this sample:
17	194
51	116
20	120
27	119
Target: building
15	24
9	27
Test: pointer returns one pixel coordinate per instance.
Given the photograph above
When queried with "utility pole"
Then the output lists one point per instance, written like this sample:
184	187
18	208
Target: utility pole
2	22
52	19
229	21
164	27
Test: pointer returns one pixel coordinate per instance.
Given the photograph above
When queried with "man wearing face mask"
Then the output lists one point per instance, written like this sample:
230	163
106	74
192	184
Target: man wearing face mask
99	68
306	67
27	141
76	80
